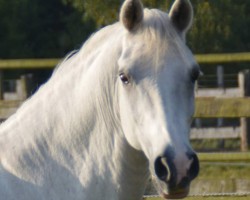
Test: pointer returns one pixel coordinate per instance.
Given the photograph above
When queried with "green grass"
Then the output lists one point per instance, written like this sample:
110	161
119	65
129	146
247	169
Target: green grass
223	176
227	173
215	145
226	178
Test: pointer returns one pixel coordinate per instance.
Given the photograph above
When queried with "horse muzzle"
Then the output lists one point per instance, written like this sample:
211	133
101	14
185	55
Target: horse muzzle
168	182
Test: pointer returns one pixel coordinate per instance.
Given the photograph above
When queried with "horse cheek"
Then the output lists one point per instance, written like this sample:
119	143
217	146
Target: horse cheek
128	121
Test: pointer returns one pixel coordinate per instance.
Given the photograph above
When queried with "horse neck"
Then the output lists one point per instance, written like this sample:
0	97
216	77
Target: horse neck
71	123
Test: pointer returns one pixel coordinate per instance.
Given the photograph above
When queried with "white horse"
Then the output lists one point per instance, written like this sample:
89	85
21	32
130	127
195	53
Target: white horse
113	112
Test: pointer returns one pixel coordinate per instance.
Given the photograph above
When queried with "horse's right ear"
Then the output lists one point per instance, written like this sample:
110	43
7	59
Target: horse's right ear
131	14
181	14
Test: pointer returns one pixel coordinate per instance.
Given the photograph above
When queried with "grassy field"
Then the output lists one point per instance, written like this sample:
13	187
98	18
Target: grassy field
224	171
221	176
215	145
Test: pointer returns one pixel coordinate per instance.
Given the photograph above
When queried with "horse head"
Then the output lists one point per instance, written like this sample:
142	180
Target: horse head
157	75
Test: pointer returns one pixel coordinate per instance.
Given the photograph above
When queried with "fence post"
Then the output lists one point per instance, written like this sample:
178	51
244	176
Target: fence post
244	84
220	85
25	86
29	84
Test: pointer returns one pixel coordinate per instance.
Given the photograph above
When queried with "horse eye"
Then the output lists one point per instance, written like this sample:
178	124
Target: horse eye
195	73
124	78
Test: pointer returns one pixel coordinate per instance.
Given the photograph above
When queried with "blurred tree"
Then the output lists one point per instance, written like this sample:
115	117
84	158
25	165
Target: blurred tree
216	24
40	28
51	28
161	4
102	12
107	12
220	26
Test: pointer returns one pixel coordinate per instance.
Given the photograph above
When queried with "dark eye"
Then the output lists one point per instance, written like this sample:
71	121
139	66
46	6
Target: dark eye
124	78
195	73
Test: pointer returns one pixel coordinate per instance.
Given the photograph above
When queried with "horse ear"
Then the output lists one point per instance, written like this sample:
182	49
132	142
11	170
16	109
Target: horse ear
131	14
181	14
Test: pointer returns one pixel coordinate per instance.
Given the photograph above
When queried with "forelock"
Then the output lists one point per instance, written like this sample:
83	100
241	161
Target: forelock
157	23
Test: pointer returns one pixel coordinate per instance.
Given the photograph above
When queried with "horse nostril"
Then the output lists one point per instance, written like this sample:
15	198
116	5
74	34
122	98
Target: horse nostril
194	168
162	170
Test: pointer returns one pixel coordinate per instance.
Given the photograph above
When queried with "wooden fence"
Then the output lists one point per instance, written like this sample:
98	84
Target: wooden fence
210	107
52	62
237	104
225	103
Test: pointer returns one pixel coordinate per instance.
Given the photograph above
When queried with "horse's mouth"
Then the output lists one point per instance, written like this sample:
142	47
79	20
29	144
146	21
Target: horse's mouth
176	195
177	192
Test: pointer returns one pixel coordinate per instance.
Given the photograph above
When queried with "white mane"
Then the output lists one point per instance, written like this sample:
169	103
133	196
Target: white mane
56	129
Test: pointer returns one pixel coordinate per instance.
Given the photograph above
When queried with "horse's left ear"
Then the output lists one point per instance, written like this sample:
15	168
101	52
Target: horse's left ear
131	14
181	14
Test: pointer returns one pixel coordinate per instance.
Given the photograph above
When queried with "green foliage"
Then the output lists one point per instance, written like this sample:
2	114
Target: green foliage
102	12
51	28
107	12
40	28
161	4
220	26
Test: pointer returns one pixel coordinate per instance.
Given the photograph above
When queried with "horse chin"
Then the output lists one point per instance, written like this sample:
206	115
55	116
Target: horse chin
177	195
164	191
